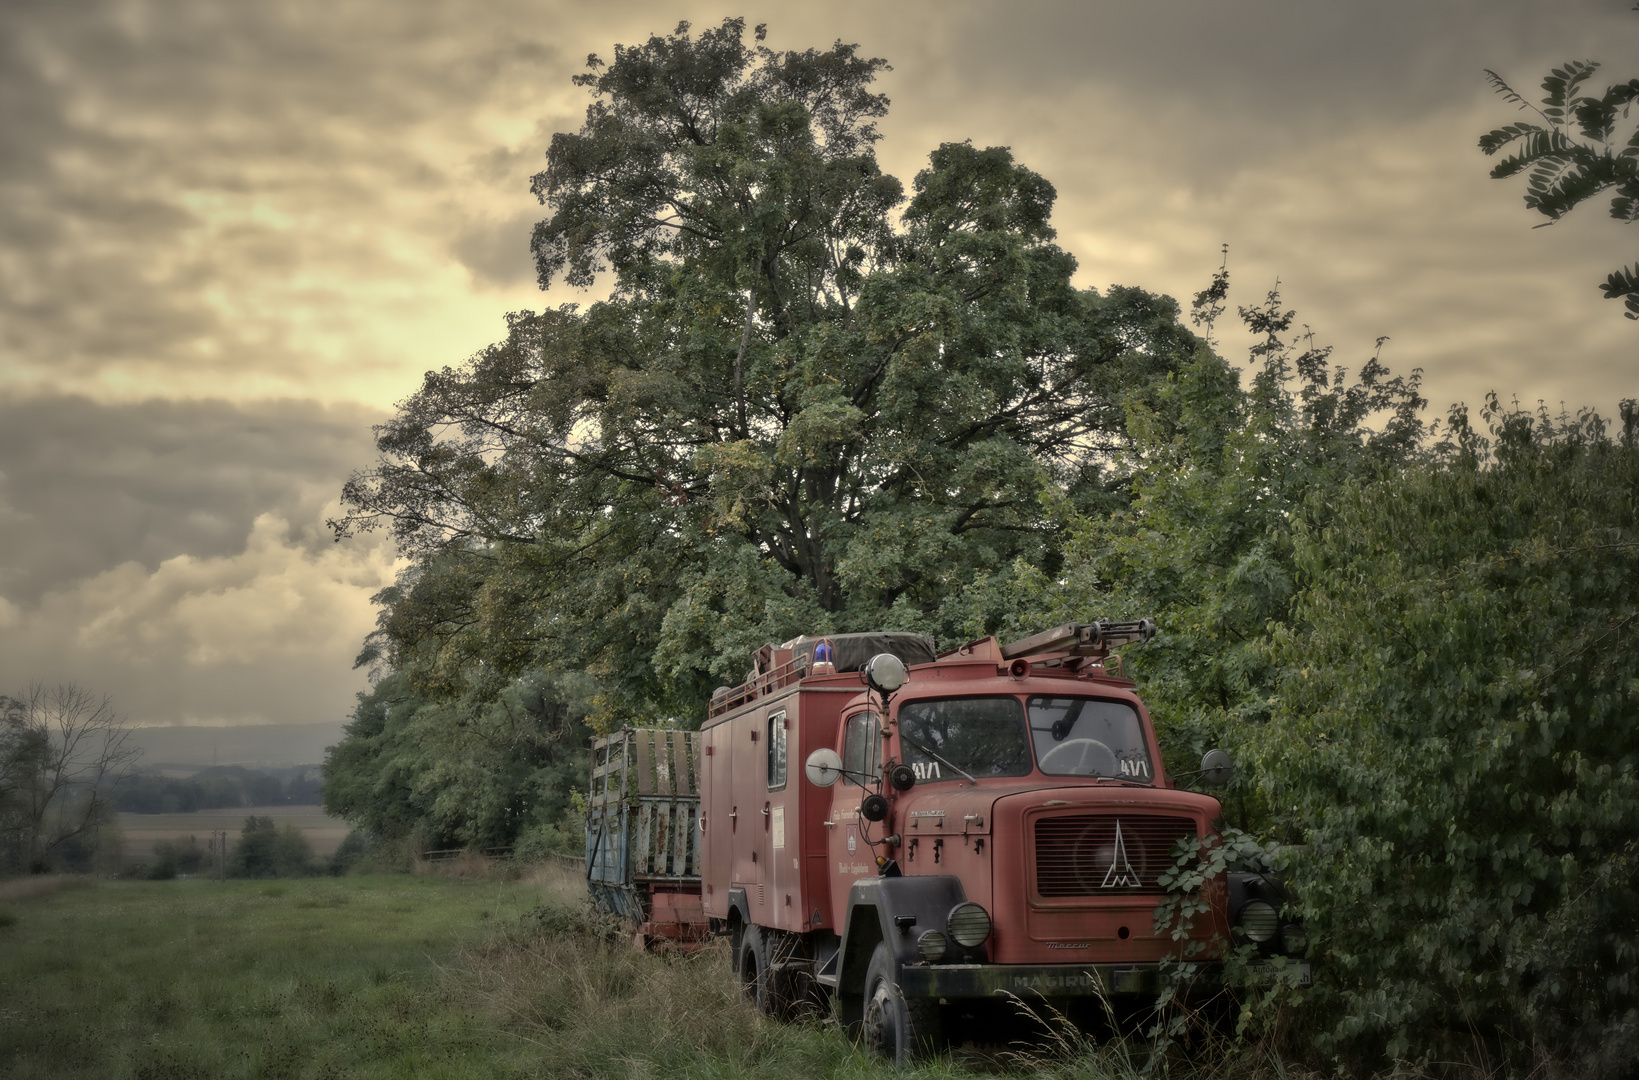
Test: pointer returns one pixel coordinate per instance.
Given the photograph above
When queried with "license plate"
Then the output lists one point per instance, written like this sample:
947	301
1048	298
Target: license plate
1267	970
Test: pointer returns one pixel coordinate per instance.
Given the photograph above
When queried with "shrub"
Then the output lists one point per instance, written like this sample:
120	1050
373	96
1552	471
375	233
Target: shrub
267	850
1456	734
163	865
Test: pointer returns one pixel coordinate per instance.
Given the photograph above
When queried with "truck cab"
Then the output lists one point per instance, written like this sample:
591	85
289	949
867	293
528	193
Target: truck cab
992	818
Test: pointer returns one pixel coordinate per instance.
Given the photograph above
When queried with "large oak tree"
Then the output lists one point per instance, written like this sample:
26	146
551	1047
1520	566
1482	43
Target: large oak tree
806	404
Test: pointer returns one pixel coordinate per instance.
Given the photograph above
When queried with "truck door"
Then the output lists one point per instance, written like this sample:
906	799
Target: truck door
745	813
780	825
716	840
851	854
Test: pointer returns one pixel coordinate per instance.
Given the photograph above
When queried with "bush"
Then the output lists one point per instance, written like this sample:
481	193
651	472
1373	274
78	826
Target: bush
163	865
540	842
1457	736
267	850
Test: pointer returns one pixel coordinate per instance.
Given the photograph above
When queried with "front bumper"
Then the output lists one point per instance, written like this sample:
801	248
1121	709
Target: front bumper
1050	980
1046	980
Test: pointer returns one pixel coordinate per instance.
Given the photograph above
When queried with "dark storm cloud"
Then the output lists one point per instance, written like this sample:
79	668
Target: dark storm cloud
497	252
183	183
174	555
85	487
209	211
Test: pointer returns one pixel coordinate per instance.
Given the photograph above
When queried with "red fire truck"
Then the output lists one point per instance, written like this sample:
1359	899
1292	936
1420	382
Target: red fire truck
912	833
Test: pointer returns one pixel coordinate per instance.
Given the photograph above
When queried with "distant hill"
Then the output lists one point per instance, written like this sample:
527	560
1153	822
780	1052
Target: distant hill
184	751
216	788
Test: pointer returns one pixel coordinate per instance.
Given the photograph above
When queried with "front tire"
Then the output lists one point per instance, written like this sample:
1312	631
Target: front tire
897	1028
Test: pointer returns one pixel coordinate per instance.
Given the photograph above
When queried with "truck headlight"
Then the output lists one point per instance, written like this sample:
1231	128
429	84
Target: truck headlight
1293	940
1259	921
931	945
969	924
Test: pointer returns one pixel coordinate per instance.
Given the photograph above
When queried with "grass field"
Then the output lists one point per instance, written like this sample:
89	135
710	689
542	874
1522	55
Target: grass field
141	831
312	978
381	976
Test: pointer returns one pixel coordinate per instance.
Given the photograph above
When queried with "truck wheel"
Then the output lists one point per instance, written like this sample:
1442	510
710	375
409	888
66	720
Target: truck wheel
897	1028
759	982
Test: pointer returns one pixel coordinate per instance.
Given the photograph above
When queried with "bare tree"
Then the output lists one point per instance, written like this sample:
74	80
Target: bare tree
62	750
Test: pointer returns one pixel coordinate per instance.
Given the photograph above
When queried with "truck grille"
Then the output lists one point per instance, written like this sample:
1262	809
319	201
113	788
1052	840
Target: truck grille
1094	854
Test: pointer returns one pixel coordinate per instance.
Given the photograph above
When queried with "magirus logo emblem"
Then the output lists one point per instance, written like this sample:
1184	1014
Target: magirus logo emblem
1121	874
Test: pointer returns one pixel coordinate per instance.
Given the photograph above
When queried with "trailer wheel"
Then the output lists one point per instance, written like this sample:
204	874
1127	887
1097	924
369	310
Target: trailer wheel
897	1028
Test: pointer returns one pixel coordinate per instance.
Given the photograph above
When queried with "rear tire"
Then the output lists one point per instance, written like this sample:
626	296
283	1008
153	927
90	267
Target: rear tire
763	985
897	1028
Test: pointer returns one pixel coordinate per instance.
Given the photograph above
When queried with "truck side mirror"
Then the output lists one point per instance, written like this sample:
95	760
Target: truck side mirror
1216	768
823	767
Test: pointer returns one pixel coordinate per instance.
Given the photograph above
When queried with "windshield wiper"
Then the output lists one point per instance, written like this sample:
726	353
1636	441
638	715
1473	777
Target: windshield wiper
936	757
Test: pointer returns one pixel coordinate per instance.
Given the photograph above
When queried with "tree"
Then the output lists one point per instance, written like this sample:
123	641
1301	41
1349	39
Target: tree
1576	153
265	849
792	414
474	774
1222	475
62	750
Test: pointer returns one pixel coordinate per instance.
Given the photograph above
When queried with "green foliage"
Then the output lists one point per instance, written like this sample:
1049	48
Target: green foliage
1261	997
175	857
1575	154
1220	476
464	774
792	415
1453	732
266	850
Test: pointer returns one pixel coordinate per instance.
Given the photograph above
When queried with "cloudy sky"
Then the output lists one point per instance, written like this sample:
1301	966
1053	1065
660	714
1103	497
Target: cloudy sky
232	235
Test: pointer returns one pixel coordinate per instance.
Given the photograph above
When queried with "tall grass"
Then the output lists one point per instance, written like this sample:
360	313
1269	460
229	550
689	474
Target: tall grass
303	979
427	976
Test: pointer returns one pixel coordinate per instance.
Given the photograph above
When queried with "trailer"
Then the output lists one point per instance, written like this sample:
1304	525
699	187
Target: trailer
642	833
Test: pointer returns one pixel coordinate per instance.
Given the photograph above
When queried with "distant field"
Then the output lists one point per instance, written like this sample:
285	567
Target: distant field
142	831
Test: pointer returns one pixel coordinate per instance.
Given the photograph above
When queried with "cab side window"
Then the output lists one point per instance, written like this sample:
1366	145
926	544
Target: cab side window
861	749
776	751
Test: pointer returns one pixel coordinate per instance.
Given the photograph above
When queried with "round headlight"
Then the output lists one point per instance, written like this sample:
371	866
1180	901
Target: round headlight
931	945
969	924
1259	921
1294	940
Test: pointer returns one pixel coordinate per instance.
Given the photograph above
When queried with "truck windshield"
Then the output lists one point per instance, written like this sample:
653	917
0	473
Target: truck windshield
981	736
1078	736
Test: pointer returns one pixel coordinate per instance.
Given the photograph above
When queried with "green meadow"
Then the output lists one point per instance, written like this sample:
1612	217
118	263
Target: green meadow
311	978
392	975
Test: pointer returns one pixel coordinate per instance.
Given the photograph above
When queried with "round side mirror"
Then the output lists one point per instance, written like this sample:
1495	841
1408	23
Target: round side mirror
902	777
885	673
873	807
823	767
1216	768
